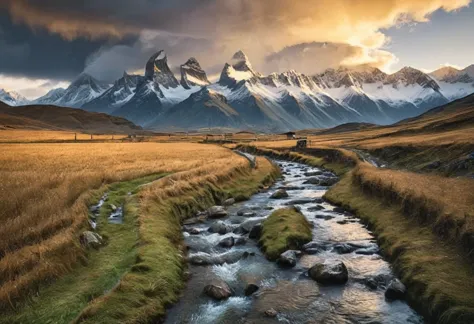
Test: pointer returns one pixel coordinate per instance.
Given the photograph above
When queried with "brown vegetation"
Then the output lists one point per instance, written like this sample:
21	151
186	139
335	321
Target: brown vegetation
45	190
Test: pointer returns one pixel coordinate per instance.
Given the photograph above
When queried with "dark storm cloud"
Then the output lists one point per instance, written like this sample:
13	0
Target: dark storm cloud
39	54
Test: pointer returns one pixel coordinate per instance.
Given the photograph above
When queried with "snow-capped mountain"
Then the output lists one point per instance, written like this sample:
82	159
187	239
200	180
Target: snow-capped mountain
455	83
120	93
12	98
51	98
244	98
84	89
192	74
159	90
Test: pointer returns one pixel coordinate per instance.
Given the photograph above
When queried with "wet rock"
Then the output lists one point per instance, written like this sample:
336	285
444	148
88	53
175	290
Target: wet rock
315	208
323	216
291	188
313	173
216	212
344	248
313	181
240	241
204	259
271	313
255	232
94	209
313	251
195	220
279	194
368	250
251	289
229	202
327	182
91	240
342	222
268	208
288	258
374	282
228	242
315	245
329	273
246	212
194	231
297	176
220	228
302	201
218	290
247	226
396	290
318	200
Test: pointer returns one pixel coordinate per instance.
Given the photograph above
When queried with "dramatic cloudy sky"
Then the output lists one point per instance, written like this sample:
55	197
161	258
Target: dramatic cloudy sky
47	43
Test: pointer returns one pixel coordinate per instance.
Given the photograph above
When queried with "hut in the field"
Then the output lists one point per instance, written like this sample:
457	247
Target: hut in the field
290	135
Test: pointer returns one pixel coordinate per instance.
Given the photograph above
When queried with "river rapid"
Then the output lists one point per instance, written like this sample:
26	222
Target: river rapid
296	298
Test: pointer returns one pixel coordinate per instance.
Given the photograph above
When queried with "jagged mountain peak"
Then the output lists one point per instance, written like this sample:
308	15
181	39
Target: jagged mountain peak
411	76
192	74
12	98
85	79
157	69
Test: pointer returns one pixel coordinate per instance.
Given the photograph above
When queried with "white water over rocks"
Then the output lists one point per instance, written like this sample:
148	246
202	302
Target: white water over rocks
337	236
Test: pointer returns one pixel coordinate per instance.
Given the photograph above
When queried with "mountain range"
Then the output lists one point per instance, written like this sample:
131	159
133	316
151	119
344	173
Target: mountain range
243	98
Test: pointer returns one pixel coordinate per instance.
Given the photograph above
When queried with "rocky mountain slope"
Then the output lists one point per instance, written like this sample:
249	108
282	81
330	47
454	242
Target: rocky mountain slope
12	98
244	98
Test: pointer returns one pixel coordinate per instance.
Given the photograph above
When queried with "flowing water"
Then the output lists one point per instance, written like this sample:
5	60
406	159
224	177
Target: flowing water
298	299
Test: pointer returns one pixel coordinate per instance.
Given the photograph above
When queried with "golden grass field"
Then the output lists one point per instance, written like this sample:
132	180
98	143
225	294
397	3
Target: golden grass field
29	136
44	194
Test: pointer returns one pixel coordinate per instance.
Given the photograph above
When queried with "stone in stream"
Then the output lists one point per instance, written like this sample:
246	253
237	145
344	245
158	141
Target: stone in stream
229	202
342	222
218	290
240	241
302	201
316	245
279	194
113	207
291	188
329	273
94	209
246	212
195	220
228	242
271	312
396	290
323	216
313	173
220	228
327	182
312	180
251	289
193	231
91	240
315	208
247	226
368	250
216	212
204	259
255	232
339	210
288	258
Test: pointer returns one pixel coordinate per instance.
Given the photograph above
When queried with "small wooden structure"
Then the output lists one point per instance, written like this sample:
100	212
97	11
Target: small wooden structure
290	135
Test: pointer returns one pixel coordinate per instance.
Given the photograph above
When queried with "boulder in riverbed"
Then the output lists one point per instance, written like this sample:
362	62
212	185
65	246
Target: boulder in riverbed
220	228
251	289
229	202
329	273
91	239
255	232
218	290
279	194
288	258
271	312
216	212
228	242
396	290
246	212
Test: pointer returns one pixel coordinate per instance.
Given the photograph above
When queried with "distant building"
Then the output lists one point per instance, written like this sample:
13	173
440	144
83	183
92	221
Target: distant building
290	135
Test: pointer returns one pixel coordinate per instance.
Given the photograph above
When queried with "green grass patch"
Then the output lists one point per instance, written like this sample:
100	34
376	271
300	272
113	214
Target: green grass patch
438	276
285	229
62	301
158	275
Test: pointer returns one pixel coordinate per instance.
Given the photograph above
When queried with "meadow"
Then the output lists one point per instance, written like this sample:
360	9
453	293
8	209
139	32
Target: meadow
46	189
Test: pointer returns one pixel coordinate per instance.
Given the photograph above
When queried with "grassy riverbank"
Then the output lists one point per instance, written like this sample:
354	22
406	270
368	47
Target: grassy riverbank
425	225
158	275
438	275
285	229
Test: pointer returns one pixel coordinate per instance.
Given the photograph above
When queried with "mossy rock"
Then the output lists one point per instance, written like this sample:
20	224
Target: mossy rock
285	229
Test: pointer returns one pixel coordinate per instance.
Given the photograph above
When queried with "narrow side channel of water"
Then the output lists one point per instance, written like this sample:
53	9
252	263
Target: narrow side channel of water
337	235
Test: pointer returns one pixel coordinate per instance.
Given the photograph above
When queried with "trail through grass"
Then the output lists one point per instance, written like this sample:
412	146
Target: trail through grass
65	299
